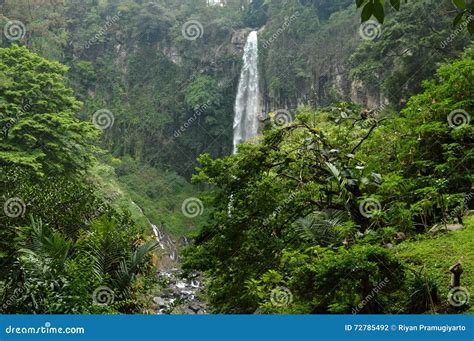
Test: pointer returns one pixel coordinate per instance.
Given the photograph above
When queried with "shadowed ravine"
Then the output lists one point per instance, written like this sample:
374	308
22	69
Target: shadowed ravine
182	292
179	293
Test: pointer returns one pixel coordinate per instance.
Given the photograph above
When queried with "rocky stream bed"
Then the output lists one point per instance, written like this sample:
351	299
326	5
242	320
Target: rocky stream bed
179	294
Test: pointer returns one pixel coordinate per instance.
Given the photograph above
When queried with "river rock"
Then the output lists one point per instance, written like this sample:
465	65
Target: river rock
161	302
401	236
447	227
179	288
469	213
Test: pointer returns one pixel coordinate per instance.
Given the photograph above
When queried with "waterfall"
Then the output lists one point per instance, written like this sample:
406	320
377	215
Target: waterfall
247	102
163	239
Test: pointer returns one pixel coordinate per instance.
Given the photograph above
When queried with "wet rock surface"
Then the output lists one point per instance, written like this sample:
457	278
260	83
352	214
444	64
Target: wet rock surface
446	228
180	295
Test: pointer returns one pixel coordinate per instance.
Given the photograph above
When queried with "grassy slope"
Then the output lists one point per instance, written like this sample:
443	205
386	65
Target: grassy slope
159	194
438	253
105	179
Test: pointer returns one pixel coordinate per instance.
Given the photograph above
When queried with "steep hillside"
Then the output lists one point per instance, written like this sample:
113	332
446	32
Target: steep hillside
166	72
335	58
435	255
236	156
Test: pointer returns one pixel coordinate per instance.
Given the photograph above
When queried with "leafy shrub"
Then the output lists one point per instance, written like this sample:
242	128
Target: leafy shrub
362	279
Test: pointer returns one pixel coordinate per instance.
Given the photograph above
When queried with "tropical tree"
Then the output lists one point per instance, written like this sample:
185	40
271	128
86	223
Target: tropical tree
378	9
39	129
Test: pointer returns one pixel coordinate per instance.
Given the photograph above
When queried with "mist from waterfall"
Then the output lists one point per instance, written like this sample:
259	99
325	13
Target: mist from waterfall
247	101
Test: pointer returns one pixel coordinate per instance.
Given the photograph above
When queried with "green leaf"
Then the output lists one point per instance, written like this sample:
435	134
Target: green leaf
359	3
367	11
395	4
470	27
460	3
458	18
379	11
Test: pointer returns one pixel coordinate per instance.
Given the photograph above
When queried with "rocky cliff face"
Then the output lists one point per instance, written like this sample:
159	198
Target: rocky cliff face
320	89
301	67
354	91
321	85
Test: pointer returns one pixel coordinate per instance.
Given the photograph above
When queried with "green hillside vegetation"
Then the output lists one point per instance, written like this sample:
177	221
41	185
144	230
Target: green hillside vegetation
322	196
64	248
159	194
328	212
435	255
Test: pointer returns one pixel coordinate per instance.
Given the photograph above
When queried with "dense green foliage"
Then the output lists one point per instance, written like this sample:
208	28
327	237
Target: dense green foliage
377	8
160	194
323	45
35	102
348	184
431	150
327	214
61	241
405	55
130	57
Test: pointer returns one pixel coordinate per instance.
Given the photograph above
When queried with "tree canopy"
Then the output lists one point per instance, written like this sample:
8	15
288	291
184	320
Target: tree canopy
378	9
310	197
40	130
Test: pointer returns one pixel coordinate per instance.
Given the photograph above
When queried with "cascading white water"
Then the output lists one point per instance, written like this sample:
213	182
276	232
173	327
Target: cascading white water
247	102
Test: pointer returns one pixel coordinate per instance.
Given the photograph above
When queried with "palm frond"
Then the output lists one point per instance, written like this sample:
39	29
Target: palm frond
44	247
105	248
129	268
319	227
